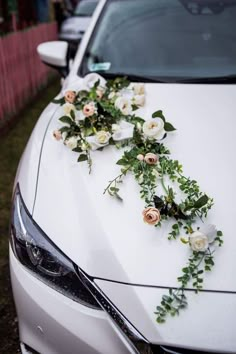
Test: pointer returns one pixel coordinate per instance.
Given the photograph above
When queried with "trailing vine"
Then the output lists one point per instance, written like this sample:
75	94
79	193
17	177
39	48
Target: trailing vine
101	113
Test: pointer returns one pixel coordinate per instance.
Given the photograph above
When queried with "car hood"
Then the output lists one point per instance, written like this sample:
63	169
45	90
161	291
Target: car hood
76	23
107	238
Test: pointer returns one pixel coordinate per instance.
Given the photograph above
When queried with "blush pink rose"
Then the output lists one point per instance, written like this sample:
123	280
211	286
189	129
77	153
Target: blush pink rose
151	159
151	216
70	96
89	110
57	135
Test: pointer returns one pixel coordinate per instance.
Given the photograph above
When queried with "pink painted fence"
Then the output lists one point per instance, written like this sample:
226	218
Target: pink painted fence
21	71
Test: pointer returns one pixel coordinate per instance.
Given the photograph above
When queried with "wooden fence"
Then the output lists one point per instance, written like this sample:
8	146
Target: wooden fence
21	71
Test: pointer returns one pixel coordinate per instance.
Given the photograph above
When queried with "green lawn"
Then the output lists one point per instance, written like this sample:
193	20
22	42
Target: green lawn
11	147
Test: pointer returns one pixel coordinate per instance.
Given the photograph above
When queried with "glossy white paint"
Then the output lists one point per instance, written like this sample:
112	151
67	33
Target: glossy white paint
208	323
95	230
53	53
53	324
27	172
108	239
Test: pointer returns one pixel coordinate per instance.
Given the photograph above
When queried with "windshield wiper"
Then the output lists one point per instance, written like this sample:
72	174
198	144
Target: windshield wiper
228	79
131	77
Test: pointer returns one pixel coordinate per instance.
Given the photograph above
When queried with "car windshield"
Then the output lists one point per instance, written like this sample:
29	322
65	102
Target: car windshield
85	8
172	40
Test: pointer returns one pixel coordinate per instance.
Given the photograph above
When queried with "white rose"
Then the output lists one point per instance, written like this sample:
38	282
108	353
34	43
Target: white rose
137	88
198	241
123	131
71	143
103	137
154	128
90	80
99	140
67	108
124	105
139	100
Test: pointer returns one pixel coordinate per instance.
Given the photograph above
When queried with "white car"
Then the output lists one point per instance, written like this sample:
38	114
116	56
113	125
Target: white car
74	27
87	273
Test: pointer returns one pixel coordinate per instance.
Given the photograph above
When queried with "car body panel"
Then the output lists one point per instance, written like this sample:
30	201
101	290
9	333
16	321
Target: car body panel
95	230
201	326
60	325
27	172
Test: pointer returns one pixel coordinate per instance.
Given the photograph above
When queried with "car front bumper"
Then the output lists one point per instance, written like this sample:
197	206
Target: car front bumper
50	323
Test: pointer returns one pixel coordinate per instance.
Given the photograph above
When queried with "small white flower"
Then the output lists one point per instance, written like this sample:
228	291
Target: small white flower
137	88
67	108
139	100
154	129
140	157
123	131
71	142
99	140
199	240
90	80
124	105
84	146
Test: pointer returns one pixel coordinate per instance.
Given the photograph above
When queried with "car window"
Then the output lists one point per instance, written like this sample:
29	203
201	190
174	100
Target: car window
85	8
164	38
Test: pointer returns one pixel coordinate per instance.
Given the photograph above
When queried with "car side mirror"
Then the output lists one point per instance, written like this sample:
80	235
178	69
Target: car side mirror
56	55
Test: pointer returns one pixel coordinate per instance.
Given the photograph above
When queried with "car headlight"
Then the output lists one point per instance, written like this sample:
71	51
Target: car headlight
44	260
40	256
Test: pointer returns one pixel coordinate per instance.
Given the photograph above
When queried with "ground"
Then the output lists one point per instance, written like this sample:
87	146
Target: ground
11	147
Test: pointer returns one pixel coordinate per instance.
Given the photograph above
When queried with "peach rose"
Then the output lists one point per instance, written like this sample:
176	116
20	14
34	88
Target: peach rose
57	135
140	157
89	109
151	216
150	158
70	96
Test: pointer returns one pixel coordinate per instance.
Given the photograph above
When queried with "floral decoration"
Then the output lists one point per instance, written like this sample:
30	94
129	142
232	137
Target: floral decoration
102	113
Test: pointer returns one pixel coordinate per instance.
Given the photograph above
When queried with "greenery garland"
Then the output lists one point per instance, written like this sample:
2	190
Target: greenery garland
102	113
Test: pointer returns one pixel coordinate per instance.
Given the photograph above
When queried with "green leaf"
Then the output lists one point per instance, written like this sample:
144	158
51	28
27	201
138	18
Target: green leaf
66	120
121	162
64	129
169	127
77	149
158	114
72	113
82	157
134	107
201	202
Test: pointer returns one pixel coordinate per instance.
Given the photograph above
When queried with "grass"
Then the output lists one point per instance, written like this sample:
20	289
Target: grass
11	147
